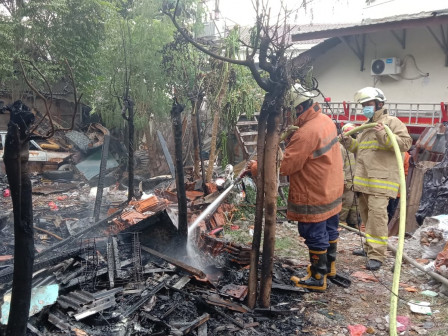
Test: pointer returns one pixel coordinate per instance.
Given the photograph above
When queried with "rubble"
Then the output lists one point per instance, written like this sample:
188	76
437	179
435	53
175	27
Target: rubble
123	274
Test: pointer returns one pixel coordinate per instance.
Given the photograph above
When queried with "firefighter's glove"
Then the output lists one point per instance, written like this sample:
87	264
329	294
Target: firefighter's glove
286	135
345	140
250	169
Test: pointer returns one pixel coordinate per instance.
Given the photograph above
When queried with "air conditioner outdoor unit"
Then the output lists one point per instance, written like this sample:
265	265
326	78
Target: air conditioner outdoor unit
385	66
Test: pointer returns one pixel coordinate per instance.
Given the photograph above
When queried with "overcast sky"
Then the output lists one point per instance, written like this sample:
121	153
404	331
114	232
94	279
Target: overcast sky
328	11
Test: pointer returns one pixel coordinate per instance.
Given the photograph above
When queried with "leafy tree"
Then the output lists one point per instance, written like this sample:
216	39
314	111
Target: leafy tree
275	77
49	31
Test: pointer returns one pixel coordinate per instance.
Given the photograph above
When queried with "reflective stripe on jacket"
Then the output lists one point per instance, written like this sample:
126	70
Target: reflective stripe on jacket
313	162
376	170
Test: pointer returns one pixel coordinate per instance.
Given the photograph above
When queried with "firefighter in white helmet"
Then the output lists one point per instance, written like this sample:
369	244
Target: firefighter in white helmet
376	176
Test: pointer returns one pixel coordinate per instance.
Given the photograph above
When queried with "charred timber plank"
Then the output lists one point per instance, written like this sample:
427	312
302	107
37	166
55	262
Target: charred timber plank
202	330
189	269
212	307
58	322
196	323
288	288
70	239
273	311
110	264
34	330
143	299
173	330
6	274
182	282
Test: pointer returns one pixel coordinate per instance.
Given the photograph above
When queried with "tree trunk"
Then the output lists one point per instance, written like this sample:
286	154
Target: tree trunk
180	185
194	128
151	149
270	188
16	157
131	150
217	116
258	222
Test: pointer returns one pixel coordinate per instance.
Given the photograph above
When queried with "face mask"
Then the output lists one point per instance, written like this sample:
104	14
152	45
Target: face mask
368	111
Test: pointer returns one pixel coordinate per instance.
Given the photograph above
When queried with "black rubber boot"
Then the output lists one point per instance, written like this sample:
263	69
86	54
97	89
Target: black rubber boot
373	264
331	258
316	279
360	253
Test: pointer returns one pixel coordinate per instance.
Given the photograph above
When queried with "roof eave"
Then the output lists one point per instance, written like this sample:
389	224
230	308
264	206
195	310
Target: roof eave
371	28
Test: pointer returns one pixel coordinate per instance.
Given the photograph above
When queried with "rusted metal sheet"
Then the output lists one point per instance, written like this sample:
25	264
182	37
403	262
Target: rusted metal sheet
235	291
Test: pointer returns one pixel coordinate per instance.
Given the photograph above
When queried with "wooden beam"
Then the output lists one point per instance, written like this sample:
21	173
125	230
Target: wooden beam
358	49
401	39
442	41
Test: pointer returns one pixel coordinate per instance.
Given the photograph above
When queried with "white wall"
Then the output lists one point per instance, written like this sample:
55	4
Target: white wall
339	75
383	8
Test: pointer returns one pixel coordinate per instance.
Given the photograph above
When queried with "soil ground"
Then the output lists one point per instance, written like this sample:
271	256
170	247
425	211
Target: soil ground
367	301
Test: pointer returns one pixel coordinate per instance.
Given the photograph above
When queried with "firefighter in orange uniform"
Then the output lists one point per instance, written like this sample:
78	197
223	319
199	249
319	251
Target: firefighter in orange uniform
313	162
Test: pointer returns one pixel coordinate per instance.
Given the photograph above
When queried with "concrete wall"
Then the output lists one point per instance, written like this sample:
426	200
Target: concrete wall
339	75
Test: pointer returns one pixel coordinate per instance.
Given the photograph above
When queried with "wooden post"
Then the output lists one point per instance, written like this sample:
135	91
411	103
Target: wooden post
180	184
16	157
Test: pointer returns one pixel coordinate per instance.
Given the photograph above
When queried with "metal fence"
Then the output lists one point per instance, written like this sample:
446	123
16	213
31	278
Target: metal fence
412	114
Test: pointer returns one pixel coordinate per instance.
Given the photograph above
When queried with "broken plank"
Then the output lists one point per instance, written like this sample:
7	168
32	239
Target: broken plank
288	288
202	330
212	307
189	269
34	329
196	323
182	282
173	330
274	311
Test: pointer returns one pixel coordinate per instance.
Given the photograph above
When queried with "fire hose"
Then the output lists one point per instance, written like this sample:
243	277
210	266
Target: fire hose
402	225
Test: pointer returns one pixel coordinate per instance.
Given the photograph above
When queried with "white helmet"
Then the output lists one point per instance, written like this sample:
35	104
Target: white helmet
347	127
369	93
299	95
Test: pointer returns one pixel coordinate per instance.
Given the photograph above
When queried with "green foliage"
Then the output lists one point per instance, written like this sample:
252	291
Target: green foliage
133	54
280	202
7	43
49	31
185	69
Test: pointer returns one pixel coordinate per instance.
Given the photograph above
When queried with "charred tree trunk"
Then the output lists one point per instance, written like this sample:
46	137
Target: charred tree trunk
176	111
16	157
270	189
194	127
258	222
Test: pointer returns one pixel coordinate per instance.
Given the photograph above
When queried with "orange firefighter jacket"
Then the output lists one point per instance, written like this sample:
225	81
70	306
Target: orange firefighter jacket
376	171
313	162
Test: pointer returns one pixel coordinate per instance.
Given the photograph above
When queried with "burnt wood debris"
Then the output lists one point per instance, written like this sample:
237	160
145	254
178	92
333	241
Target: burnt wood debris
126	273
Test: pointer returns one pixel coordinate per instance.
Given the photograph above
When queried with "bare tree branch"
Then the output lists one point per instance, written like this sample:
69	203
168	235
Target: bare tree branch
77	100
200	47
50	133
